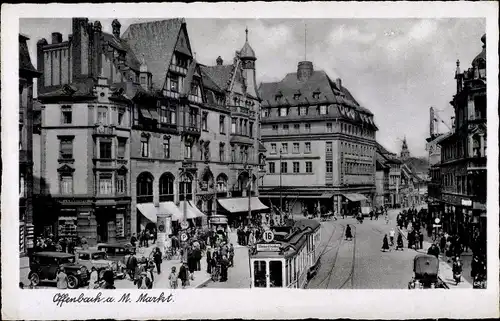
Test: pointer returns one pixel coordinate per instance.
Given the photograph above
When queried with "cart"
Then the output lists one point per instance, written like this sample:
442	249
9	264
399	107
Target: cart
426	269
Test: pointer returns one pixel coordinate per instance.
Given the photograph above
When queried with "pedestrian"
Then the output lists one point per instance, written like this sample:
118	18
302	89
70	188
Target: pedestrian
231	255
173	278
109	280
209	261
224	265
143	282
62	279
157	259
149	273
197	257
184	275
457	270
433	250
392	233
400	245
371	215
421	239
348	232
133	240
94	278
385	244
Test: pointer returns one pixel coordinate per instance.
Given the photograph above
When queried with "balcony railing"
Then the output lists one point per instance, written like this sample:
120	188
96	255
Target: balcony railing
192	129
145	199
167	198
104	130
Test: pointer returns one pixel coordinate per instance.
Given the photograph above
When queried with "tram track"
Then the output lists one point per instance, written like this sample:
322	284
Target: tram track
353	265
339	242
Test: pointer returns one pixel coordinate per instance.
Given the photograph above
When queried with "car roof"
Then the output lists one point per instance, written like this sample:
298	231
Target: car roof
53	254
89	251
114	245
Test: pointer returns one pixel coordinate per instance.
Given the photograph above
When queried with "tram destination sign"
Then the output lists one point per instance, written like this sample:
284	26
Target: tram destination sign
268	247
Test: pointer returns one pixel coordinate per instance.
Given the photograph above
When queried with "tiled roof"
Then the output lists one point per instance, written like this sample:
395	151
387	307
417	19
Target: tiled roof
155	41
220	75
318	82
24	56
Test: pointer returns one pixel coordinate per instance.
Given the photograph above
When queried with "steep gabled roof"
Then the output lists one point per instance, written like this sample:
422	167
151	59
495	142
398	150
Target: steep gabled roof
219	75
155	41
121	44
24	57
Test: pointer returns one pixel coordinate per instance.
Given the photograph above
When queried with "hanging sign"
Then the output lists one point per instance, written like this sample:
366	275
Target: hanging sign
268	247
437	220
184	237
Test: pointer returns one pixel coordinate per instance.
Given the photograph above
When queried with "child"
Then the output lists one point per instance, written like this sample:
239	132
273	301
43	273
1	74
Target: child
173	278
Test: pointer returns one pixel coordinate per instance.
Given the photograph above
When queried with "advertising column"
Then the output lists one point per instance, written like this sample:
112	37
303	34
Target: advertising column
164	223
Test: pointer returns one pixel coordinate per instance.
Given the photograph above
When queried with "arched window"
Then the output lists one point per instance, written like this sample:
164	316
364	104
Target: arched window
145	187
186	187
167	187
222	183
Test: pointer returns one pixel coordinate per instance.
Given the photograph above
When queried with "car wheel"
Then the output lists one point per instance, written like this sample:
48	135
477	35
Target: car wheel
72	282
35	279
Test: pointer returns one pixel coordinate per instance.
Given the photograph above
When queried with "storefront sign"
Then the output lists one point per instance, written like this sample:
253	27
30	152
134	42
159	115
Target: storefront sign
218	220
466	202
268	247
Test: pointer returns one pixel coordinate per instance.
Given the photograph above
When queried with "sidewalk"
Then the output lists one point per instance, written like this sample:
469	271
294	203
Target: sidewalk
445	268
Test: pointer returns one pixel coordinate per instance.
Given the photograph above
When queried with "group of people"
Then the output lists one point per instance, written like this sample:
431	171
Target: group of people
144	237
388	243
61	244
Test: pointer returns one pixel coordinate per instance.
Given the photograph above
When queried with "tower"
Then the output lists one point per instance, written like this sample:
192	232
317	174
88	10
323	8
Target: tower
247	57
405	153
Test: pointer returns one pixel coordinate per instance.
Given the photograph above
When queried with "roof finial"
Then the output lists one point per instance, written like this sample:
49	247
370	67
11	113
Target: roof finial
246	32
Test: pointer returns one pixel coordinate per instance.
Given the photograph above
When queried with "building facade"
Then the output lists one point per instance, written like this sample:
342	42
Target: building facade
132	126
26	75
463	157
394	176
320	144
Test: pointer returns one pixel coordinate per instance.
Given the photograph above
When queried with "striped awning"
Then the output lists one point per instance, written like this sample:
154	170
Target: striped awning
240	204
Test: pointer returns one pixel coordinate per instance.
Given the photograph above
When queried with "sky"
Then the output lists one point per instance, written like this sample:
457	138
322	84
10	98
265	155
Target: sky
397	68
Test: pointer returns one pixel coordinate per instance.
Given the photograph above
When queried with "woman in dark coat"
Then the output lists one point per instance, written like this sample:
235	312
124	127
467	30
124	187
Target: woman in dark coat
385	244
399	242
348	232
209	262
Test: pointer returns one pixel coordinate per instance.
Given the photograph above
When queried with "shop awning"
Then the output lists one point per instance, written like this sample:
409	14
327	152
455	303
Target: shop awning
355	197
327	195
171	208
240	204
148	210
192	211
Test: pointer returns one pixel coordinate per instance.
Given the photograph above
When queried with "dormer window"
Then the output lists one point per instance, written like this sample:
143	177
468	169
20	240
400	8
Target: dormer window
323	110
194	89
174	84
283	111
277	98
316	94
303	111
264	112
143	80
296	96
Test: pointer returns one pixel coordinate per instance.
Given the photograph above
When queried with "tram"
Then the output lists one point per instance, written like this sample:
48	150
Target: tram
289	258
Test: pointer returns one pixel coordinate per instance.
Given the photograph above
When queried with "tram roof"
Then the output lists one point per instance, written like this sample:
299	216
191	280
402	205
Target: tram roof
307	223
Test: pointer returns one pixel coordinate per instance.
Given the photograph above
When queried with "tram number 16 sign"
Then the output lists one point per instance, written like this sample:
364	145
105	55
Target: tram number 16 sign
268	236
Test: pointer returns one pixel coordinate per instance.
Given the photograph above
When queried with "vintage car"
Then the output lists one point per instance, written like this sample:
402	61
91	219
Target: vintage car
44	266
99	260
426	269
116	252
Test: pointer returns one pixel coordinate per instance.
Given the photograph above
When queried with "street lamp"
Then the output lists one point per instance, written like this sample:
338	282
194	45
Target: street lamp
248	170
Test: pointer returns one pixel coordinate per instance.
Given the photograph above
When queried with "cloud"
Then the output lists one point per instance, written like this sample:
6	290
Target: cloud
423	30
345	34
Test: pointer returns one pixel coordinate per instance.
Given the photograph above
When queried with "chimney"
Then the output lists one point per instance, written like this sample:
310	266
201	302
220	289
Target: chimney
304	70
116	28
56	37
219	61
70	37
338	82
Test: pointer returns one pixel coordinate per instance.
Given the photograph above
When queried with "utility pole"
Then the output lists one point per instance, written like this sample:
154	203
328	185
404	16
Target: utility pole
249	171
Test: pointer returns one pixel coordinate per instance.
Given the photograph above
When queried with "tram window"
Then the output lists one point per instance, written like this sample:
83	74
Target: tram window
259	274
276	274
